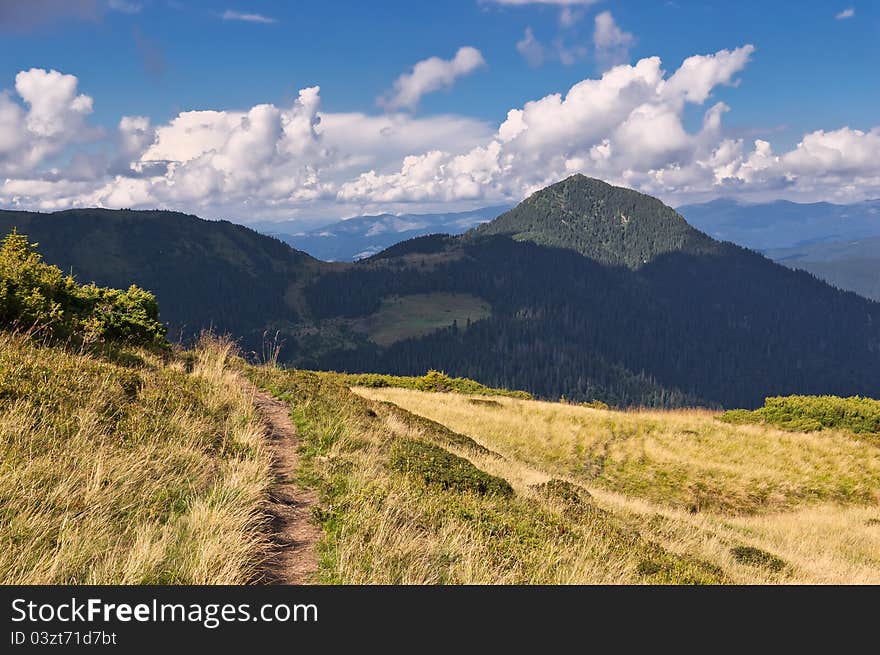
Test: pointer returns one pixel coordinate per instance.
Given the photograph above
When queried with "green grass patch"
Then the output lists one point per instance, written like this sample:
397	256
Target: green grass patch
437	466
404	317
756	557
565	491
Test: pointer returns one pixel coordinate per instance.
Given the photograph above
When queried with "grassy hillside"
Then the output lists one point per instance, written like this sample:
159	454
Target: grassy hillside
121	461
759	503
141	468
406	501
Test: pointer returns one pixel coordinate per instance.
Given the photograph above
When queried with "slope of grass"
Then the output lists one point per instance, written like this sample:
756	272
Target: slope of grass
393	522
761	504
134	468
683	458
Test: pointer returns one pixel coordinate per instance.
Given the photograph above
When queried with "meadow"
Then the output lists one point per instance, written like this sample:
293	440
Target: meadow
760	503
415	315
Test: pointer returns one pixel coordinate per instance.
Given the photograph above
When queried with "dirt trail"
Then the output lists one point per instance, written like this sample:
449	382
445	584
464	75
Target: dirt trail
293	532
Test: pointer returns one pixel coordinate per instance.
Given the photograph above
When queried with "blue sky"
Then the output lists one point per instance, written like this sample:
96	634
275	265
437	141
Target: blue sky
812	70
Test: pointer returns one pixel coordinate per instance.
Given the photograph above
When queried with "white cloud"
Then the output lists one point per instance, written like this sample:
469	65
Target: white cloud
52	117
531	49
269	161
612	44
429	75
246	17
846	13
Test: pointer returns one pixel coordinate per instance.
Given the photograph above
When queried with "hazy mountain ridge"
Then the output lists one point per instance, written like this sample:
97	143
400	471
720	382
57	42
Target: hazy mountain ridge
782	223
851	265
355	238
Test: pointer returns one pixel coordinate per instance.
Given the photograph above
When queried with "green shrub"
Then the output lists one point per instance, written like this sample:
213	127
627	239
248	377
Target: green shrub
436	466
739	417
37	296
565	491
813	413
435	381
757	557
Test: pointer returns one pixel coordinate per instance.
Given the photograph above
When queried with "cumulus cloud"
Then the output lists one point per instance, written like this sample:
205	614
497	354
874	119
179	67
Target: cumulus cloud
846	13
246	17
626	126
52	117
430	75
612	44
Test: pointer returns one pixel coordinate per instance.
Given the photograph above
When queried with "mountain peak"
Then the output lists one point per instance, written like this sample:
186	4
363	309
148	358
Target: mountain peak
613	225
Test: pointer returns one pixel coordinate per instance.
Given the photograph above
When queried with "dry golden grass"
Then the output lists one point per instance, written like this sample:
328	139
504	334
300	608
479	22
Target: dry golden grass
128	471
695	486
684	458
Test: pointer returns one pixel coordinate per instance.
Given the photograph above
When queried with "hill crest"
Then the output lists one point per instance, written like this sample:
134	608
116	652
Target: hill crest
612	225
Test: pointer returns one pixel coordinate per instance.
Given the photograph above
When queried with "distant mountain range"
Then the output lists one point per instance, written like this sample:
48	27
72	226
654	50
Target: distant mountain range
359	237
784	224
584	290
837	243
852	265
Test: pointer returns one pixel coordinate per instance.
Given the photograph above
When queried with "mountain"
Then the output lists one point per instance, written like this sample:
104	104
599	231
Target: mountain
676	318
584	290
851	265
784	224
362	236
206	274
609	224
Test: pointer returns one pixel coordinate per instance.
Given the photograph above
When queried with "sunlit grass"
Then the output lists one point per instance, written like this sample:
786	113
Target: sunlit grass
388	526
128	471
694	485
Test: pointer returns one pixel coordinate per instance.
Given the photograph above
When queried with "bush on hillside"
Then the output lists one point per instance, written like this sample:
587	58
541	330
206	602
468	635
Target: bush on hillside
37	296
435	381
437	466
563	490
813	413
756	557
